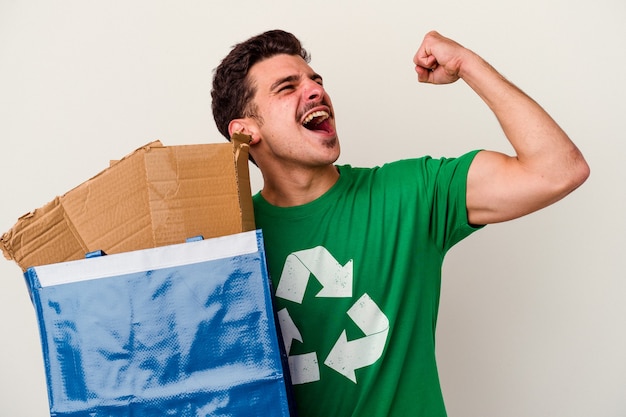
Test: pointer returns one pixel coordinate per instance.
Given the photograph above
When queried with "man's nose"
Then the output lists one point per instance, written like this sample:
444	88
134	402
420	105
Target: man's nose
313	90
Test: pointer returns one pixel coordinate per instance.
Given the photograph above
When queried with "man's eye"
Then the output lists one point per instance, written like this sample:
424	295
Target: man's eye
285	87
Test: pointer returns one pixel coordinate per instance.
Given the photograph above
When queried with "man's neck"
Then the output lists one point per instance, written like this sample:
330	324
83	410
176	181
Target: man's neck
298	187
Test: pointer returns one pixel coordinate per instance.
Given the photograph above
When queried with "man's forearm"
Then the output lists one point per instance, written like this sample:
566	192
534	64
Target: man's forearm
540	144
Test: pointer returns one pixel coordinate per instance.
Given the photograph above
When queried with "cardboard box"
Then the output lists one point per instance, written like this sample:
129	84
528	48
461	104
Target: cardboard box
155	196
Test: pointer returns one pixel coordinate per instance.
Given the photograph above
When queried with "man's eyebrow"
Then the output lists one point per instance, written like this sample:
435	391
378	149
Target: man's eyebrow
287	79
316	76
293	78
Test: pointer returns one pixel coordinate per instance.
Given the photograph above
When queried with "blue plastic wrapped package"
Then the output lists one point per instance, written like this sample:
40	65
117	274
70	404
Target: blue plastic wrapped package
180	330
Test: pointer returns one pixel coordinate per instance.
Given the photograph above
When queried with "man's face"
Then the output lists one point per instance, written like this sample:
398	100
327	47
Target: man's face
295	120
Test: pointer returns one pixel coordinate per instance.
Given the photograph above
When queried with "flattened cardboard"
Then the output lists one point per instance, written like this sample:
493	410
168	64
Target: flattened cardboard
157	195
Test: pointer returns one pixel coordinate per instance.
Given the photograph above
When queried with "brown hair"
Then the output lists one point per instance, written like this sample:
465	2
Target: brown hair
232	93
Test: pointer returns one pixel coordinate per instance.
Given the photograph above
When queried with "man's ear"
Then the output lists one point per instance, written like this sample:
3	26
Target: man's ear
245	126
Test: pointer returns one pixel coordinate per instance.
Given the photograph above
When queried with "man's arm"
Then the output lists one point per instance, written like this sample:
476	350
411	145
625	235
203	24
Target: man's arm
547	165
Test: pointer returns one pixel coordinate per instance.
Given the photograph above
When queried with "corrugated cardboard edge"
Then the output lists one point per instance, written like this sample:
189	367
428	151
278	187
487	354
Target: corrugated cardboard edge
12	251
241	147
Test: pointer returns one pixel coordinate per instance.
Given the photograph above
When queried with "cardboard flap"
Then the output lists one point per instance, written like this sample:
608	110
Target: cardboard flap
181	195
45	232
112	213
154	196
241	144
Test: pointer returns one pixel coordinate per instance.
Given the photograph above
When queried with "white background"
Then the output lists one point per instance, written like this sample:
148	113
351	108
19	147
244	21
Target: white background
533	317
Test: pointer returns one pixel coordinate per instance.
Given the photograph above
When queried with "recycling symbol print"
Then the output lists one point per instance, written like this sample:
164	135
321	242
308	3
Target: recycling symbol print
346	355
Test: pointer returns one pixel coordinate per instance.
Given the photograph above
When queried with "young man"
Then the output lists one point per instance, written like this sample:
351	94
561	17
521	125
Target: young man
355	254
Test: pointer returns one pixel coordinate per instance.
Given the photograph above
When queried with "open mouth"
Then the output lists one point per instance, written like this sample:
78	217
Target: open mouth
318	121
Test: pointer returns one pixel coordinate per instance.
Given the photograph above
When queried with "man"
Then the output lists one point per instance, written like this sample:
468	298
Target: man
355	254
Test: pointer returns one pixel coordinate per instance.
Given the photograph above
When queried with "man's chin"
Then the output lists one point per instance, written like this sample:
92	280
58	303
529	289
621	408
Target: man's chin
331	142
